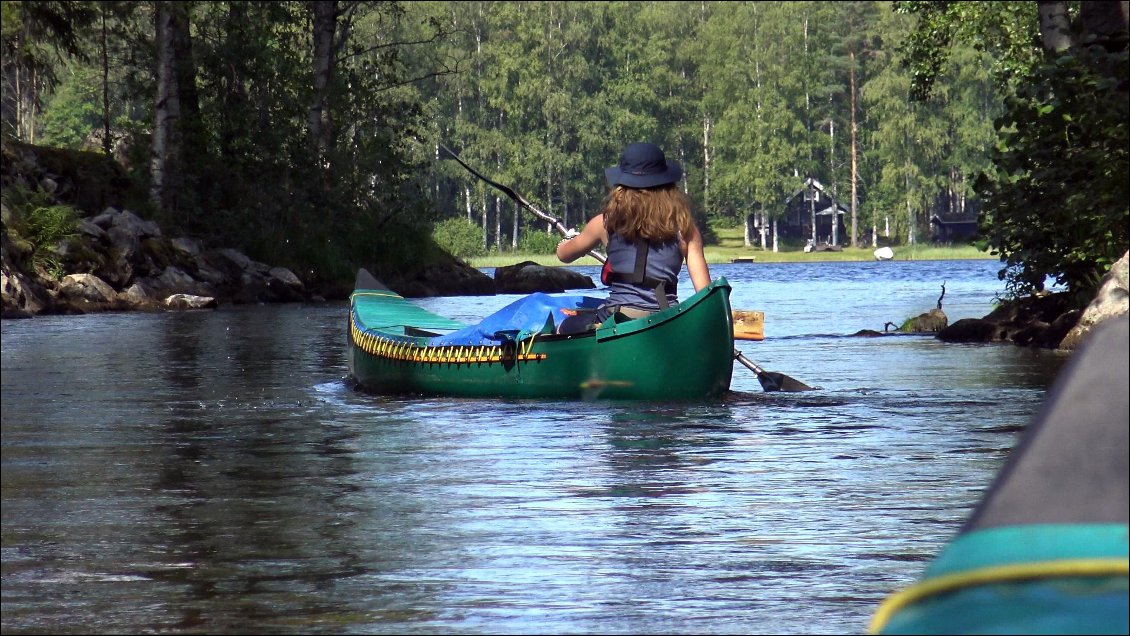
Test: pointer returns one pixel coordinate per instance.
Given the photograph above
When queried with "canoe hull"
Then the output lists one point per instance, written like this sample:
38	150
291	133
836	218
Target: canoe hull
685	352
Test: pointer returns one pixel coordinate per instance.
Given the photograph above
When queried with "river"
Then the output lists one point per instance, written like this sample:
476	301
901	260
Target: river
210	472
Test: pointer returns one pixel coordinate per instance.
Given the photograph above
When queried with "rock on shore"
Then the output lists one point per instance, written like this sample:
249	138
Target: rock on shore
121	262
1047	320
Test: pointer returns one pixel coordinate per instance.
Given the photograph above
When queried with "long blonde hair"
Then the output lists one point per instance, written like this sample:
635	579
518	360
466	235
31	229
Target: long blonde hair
652	214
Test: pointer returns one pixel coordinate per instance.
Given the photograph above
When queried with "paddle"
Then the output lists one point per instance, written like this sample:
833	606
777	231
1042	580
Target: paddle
770	381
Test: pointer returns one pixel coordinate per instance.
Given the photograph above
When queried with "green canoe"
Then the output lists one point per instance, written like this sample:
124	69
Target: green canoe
685	352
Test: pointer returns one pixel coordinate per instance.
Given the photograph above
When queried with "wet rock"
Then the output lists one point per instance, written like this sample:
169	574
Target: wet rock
453	278
930	322
528	277
1039	320
188	301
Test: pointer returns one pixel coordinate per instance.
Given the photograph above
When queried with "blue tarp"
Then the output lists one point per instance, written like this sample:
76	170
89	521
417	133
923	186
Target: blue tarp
518	320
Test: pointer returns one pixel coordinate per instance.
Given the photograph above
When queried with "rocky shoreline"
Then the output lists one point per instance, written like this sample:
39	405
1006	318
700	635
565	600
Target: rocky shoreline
115	260
1046	320
123	263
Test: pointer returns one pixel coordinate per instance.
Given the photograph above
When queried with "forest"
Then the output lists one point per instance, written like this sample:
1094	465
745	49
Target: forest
310	133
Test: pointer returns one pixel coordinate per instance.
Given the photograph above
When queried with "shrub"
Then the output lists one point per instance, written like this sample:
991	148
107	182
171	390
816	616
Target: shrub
460	237
1058	204
42	223
538	242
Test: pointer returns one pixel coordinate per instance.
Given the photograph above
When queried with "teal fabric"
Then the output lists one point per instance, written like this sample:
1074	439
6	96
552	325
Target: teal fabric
1051	606
1036	543
389	311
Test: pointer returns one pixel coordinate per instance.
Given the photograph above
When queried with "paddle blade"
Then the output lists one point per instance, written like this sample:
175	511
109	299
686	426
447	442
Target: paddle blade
784	383
771	381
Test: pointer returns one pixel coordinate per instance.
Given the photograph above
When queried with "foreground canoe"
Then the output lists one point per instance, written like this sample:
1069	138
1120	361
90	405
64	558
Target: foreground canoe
681	353
1045	551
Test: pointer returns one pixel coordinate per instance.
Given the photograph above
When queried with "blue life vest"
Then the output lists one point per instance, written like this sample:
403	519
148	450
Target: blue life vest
642	275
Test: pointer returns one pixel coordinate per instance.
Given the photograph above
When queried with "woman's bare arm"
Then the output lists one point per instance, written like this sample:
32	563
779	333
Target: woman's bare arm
696	261
569	250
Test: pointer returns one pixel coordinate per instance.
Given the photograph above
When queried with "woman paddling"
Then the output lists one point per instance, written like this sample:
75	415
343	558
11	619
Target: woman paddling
647	229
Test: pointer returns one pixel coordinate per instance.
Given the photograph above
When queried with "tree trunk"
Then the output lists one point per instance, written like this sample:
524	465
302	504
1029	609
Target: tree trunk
107	143
812	210
20	101
177	109
498	228
706	162
854	157
486	227
835	199
1107	21
909	215
320	122
166	129
1055	27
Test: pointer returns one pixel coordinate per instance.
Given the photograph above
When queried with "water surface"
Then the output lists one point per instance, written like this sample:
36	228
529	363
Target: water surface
210	472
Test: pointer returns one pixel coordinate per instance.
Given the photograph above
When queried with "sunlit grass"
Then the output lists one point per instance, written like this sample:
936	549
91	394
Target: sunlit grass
730	246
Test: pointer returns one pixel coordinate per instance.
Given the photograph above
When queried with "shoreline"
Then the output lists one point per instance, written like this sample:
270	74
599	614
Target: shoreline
727	256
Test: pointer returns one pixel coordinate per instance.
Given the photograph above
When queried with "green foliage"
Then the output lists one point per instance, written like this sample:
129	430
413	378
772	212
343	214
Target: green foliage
1006	31
749	97
73	112
1058	206
42	224
538	242
34	40
460	237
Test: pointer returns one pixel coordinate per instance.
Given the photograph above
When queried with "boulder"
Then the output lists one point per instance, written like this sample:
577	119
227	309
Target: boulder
1040	320
86	288
446	278
136	296
284	286
188	301
528	277
22	296
930	322
1113	300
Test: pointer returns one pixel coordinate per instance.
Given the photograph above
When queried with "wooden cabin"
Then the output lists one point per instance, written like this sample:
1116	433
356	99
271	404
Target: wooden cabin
813	199
952	231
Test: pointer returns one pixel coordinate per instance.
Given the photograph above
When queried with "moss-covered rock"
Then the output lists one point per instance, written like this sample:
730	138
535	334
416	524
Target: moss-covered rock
89	181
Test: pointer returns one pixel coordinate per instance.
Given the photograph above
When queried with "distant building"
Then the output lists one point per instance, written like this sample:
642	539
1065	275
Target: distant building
812	198
952	231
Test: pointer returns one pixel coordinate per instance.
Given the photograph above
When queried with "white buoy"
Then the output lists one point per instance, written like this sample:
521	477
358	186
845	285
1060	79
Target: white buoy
884	254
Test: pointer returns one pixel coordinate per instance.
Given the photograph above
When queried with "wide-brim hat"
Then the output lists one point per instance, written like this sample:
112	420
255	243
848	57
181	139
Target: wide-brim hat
643	165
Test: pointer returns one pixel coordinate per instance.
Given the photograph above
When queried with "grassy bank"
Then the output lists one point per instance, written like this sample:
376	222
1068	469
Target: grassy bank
730	246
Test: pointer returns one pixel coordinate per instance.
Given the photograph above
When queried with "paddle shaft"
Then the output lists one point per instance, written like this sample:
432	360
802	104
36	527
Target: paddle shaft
769	381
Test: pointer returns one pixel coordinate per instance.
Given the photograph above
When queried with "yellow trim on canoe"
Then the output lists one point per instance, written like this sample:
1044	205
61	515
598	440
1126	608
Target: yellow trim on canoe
382	294
991	575
381	347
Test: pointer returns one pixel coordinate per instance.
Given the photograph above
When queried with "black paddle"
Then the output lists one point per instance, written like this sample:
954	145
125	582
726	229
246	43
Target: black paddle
770	381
